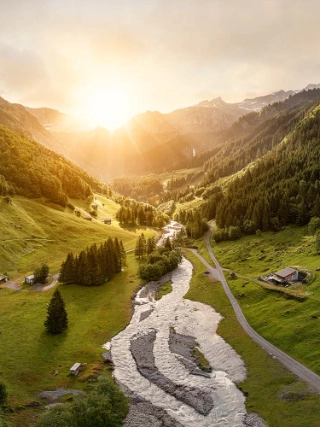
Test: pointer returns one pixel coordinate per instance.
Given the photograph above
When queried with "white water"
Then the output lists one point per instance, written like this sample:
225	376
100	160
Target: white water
189	318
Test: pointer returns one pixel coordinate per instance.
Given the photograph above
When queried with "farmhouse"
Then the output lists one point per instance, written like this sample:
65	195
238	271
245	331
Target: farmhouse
283	276
107	221
29	279
287	274
4	279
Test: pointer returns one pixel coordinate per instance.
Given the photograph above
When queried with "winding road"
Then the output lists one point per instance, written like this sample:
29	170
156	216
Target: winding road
295	367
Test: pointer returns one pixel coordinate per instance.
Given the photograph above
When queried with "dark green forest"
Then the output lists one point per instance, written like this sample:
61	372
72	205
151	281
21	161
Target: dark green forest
27	168
132	213
281	188
95	265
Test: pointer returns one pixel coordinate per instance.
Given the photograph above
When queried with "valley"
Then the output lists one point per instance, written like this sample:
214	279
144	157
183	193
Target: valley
254	176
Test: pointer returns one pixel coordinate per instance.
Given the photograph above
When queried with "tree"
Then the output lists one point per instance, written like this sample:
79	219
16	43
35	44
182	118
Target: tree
41	274
140	248
104	406
167	244
151	245
57	318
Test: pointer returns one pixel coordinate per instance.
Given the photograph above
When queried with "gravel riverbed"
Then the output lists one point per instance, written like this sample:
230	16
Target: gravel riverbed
156	369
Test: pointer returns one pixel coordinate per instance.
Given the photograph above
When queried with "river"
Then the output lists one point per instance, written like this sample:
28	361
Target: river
152	360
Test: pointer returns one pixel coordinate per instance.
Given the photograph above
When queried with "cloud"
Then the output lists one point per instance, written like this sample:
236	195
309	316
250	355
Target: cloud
164	52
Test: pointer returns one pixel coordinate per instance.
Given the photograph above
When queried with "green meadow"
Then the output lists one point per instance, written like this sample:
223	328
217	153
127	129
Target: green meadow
271	391
291	325
29	355
34	232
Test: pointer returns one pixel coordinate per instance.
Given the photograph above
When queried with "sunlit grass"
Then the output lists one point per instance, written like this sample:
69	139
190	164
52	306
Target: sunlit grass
33	233
164	289
30	355
271	391
291	325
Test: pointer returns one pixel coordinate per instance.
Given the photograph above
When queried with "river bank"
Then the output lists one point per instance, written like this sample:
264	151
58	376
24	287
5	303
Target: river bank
150	370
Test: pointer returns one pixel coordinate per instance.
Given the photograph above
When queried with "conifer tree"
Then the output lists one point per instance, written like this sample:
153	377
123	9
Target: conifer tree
57	318
151	245
140	248
123	254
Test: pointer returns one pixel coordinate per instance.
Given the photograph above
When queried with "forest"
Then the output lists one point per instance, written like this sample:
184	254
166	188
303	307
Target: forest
95	265
27	168
282	188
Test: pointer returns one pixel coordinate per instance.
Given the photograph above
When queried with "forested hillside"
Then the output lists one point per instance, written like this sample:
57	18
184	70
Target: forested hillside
282	188
27	168
257	133
271	163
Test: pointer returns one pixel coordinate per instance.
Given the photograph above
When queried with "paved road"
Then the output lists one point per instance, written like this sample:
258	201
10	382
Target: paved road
295	367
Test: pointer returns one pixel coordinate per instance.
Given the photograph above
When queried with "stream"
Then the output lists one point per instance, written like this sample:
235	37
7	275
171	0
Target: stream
153	364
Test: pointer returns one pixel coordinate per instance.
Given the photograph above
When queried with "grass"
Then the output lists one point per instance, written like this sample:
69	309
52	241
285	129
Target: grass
270	390
291	325
164	289
31	355
33	233
201	360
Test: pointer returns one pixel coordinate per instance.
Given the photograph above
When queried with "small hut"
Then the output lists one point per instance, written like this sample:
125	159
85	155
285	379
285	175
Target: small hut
29	279
75	369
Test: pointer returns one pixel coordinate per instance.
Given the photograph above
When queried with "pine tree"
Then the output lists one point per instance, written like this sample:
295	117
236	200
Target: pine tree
140	248
57	318
151	245
123	254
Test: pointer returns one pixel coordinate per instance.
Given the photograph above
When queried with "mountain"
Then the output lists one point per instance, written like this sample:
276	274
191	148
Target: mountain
16	117
152	141
256	104
264	174
55	121
29	169
149	142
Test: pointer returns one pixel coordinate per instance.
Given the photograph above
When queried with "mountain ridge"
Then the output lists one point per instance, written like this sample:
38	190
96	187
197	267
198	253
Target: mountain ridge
149	142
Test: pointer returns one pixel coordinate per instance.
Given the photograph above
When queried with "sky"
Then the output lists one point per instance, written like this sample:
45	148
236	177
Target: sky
108	60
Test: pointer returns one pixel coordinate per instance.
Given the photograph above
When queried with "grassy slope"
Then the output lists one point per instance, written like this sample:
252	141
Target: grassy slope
291	325
33	232
267	384
95	315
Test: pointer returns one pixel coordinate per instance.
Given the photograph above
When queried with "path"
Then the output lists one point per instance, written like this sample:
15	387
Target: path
295	367
16	284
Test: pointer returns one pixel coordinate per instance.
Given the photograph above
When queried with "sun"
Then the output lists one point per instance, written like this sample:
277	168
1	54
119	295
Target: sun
107	107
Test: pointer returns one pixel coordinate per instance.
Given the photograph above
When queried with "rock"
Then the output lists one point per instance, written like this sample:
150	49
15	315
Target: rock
107	357
33	404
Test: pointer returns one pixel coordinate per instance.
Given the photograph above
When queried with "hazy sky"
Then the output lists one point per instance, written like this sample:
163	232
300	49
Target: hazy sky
154	54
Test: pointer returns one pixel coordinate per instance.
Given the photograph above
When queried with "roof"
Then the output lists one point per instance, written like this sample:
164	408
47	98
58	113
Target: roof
75	367
31	277
285	272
